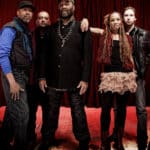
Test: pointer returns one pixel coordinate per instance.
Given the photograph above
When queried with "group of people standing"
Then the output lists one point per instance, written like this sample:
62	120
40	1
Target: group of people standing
61	62
137	51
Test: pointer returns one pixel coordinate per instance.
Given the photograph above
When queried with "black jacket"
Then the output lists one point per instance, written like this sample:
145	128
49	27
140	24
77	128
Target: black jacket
141	49
64	67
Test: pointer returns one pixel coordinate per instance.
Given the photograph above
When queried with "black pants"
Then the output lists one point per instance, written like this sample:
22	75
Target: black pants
35	98
140	102
107	101
141	112
79	121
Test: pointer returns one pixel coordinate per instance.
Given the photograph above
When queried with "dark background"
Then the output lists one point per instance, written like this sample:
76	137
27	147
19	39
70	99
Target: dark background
94	10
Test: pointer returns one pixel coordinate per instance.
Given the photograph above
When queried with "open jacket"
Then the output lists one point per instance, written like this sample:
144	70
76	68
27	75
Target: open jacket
141	49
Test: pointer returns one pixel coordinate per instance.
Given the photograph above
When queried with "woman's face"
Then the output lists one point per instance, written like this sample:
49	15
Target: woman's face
115	21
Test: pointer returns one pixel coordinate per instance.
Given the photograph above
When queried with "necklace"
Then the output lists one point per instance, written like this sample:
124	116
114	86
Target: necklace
66	37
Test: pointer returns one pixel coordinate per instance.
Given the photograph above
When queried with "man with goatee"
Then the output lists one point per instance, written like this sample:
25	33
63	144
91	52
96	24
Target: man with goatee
65	66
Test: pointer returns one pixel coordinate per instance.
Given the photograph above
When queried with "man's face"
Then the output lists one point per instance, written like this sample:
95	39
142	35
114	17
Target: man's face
43	19
66	9
129	17
25	14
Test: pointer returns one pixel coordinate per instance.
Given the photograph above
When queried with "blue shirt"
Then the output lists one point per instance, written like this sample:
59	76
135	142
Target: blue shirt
6	39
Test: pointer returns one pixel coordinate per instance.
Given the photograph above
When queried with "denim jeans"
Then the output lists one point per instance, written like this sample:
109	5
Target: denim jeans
17	112
141	114
79	121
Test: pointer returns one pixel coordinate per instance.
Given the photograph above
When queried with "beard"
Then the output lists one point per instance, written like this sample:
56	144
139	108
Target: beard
26	19
66	14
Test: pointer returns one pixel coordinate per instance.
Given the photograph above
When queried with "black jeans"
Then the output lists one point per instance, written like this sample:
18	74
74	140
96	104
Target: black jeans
36	97
16	114
107	101
141	114
79	121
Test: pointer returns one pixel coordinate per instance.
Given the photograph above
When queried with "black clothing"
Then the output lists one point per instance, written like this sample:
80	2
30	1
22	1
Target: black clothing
116	64
39	34
65	61
141	49
141	56
35	95
66	66
79	121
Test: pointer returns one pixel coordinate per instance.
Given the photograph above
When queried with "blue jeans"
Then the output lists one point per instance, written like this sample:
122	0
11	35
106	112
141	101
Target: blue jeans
17	112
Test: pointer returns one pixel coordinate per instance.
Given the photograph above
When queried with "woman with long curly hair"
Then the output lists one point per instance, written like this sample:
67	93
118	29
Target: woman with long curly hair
117	78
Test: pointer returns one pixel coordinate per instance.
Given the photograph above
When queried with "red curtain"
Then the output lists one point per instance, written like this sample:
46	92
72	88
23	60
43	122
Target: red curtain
94	10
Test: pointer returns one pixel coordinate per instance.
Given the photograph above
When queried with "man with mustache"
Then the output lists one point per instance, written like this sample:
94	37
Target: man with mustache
15	61
65	66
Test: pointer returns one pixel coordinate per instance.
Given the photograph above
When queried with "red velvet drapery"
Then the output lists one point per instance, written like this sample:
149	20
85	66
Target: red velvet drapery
94	10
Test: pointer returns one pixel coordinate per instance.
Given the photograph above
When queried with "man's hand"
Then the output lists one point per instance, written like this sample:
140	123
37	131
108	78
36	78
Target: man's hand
84	24
83	87
43	85
15	88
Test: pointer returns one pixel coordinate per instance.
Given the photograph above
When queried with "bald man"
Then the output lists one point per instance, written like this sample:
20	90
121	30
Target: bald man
35	96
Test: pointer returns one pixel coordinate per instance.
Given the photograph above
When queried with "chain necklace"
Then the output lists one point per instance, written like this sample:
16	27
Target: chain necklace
66	37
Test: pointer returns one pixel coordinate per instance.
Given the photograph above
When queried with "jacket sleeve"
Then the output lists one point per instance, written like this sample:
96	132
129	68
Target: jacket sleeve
87	56
146	47
41	57
6	40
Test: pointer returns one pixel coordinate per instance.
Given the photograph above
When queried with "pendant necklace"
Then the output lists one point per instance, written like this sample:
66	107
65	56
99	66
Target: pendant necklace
66	37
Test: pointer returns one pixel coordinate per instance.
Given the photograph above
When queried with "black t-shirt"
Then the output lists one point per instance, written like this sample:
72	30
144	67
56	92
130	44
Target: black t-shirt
116	64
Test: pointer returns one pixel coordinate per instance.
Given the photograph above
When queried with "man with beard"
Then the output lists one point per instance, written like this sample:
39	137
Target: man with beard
15	61
65	66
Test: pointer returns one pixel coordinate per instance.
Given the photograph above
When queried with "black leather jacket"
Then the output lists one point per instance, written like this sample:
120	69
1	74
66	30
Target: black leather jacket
141	49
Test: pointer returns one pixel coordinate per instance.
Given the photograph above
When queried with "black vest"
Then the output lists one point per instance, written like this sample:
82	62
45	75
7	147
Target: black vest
19	55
